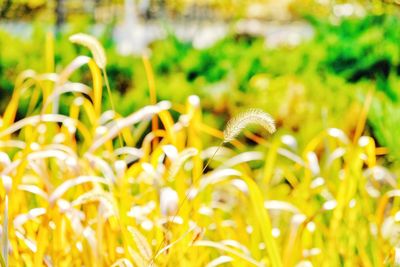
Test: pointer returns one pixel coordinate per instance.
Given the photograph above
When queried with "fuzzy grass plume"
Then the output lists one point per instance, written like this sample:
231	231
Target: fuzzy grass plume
93	45
251	116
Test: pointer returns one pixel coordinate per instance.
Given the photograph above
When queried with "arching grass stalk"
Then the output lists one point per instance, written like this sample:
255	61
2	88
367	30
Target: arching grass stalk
111	100
108	88
232	130
100	58
153	93
183	201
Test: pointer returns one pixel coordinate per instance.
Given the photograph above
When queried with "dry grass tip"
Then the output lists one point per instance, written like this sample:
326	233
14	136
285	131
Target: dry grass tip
93	45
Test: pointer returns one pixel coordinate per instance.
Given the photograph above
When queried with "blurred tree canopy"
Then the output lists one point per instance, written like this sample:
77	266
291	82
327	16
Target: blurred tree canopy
21	8
58	10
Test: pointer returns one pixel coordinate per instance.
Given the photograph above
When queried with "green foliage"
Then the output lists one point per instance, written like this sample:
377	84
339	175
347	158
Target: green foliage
320	76
385	119
363	48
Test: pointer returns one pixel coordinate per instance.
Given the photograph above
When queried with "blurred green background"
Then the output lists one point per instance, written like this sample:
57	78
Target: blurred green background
309	63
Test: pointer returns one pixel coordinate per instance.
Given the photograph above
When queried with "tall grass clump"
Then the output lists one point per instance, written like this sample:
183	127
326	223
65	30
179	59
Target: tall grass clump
91	187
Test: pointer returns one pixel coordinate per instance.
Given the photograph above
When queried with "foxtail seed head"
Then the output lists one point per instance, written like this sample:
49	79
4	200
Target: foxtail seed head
251	116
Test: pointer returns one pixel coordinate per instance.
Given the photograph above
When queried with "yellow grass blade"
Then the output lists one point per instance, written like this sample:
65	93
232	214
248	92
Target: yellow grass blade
263	219
4	239
153	92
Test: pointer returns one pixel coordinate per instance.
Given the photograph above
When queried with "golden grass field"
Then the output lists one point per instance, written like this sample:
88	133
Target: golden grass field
93	188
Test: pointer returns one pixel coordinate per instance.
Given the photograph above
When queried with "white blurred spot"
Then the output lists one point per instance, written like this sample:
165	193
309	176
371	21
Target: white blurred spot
343	10
194	100
339	134
34	146
7	182
168	201
119	250
192	193
120	167
397	256
79	246
297	219
78	101
59	138
71	162
101	130
290	141
373	229
70	124
52	225
329	205
352	203
276	232
63	205
364	141
304	264
311	227
42	129
204	210
317	182
311	252
313	163
170	151
249	229
147	225
241	185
